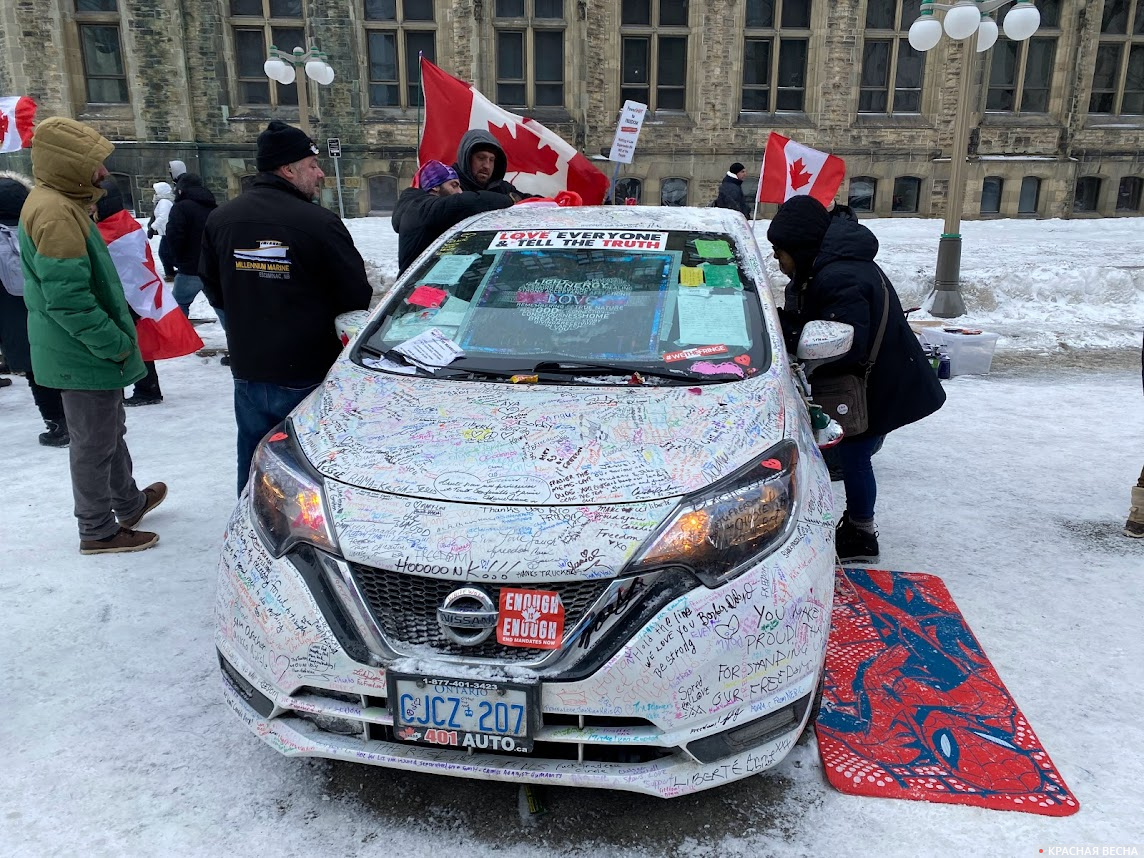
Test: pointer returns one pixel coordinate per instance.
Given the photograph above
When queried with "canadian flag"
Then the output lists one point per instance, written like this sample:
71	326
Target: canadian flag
791	169
17	113
163	330
539	162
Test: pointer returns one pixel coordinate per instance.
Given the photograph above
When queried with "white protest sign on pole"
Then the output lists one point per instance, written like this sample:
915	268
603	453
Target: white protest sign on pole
627	132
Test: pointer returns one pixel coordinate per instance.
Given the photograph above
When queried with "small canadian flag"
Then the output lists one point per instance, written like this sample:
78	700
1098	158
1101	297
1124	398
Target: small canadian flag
791	169
17	115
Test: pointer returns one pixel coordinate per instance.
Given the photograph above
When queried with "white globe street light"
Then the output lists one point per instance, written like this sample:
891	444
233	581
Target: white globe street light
925	32
962	20
282	67
986	34
1022	21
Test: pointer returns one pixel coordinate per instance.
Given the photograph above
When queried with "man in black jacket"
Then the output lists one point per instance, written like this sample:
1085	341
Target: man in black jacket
185	224
731	190
830	259
281	269
482	163
423	213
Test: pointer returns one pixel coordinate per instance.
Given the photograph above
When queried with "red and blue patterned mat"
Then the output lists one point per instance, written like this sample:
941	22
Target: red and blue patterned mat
913	709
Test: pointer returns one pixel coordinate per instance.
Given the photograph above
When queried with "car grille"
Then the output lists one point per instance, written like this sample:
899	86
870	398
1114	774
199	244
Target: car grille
405	608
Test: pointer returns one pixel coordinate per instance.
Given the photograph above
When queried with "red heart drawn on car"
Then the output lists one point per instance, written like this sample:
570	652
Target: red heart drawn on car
742	360
773	464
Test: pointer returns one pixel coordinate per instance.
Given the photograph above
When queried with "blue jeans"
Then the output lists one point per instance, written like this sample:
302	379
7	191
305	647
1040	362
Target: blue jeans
858	475
186	287
258	408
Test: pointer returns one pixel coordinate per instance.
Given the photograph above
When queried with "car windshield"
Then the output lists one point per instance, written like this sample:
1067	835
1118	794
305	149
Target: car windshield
576	306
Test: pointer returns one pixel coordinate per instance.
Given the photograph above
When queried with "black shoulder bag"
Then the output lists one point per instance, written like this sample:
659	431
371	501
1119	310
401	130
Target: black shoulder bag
843	397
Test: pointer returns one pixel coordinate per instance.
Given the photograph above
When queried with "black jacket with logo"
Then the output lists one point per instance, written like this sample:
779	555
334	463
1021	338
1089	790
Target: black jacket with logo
421	217
281	268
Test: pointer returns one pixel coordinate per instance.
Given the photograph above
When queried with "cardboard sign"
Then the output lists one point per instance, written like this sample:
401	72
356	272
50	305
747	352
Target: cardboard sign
593	239
530	618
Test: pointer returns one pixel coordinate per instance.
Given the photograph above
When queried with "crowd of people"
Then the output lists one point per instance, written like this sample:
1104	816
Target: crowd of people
278	269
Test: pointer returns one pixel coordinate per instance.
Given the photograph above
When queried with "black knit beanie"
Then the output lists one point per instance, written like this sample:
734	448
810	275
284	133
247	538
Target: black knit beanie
798	227
13	192
736	168
282	144
111	202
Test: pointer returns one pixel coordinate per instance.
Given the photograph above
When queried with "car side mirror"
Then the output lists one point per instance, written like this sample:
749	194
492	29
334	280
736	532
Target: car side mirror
821	340
348	325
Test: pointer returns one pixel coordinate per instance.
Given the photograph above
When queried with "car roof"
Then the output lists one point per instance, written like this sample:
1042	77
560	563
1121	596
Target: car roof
659	218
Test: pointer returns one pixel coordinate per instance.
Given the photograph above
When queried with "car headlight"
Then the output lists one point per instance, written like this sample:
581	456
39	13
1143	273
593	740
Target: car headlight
286	499
720	532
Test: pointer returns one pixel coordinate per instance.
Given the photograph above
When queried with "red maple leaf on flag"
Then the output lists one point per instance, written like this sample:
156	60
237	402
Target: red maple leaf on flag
526	153
3	125
798	174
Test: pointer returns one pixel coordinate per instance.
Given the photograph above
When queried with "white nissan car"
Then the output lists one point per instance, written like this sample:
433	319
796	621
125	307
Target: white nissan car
556	515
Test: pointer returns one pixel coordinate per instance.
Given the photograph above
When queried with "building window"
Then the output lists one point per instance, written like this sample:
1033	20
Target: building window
1030	195
991	195
1118	80
1128	195
105	77
653	53
907	191
1021	73
629	192
529	52
256	25
775	51
892	71
1087	194
382	194
861	195
673	192
396	31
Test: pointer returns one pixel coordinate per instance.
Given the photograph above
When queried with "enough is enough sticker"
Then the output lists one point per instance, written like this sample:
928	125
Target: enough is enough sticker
530	618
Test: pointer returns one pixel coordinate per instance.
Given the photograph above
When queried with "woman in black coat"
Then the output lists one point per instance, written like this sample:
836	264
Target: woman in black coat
830	260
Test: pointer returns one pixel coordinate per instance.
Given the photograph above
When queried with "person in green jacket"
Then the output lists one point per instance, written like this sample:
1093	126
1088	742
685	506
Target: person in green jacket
81	334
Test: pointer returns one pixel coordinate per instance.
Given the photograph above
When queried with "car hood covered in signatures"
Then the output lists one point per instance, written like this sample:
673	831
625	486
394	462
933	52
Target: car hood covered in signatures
503	444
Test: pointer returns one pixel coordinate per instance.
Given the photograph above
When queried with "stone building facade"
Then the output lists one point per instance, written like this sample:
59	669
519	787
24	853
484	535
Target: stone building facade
1057	123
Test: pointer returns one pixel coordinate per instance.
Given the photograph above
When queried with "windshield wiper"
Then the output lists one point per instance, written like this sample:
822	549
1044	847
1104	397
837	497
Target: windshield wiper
561	367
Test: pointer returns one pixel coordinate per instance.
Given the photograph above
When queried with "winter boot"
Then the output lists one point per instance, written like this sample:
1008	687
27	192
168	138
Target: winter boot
1134	527
57	434
854	544
140	399
153	495
120	541
5	382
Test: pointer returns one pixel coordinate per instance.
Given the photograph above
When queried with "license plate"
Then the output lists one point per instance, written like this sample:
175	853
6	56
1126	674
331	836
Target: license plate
462	713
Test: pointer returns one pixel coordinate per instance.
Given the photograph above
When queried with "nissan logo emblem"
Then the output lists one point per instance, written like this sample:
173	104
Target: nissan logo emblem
468	616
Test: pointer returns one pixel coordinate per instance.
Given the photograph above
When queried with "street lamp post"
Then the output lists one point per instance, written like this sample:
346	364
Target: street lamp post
962	20
281	66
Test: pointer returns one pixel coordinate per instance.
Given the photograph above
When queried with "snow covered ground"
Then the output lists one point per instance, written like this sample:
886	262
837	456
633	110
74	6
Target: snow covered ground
116	741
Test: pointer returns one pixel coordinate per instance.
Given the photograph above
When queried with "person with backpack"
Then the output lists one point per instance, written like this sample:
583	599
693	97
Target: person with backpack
14	190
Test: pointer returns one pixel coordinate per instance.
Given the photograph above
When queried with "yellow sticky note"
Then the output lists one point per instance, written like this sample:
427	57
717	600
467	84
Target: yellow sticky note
690	275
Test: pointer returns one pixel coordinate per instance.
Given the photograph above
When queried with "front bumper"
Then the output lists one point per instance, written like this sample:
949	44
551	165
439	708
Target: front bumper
711	688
